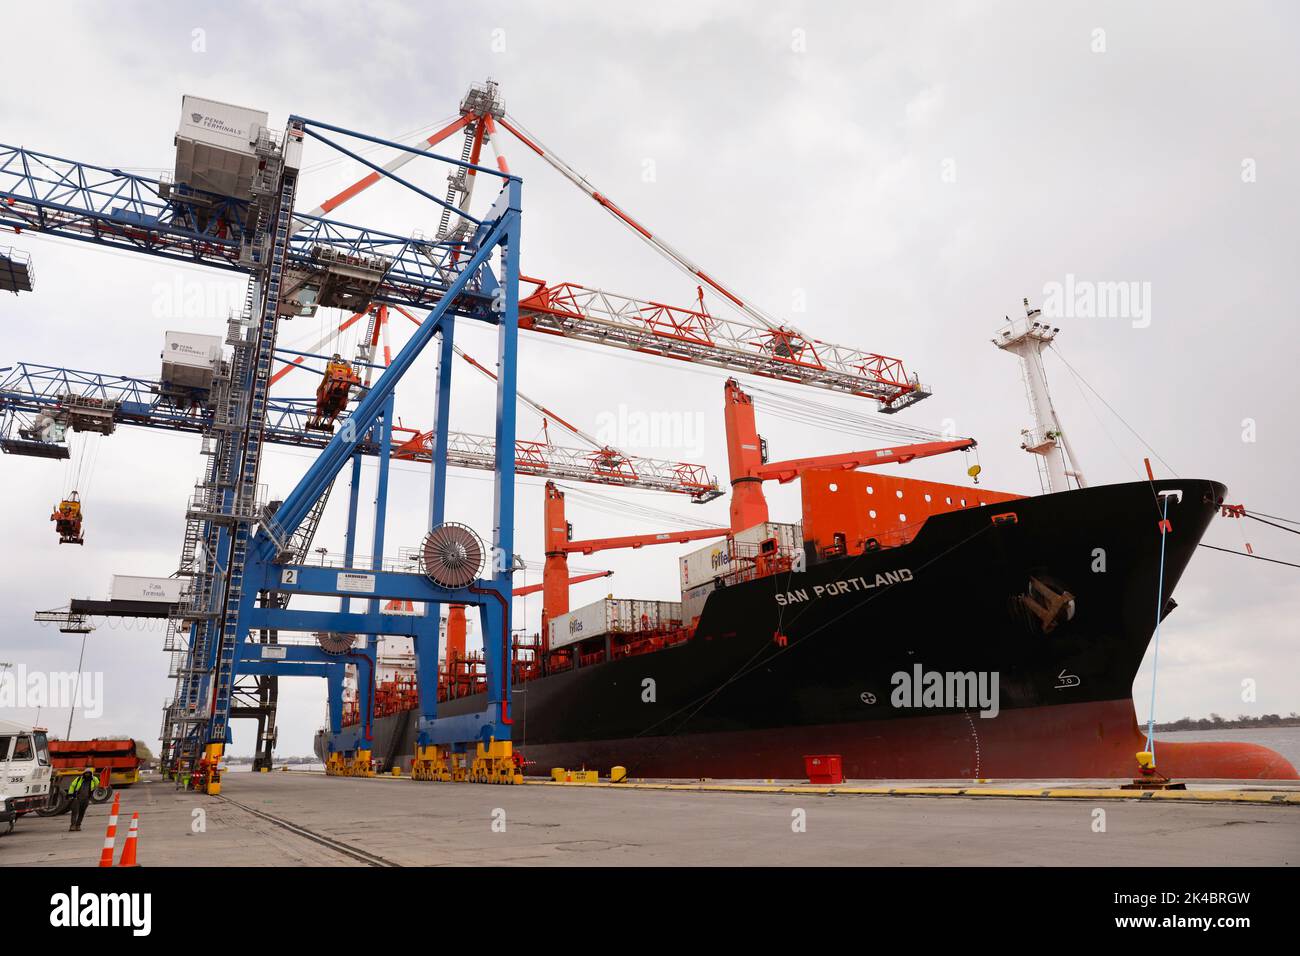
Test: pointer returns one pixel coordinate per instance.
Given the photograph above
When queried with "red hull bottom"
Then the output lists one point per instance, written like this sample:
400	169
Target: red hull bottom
1073	740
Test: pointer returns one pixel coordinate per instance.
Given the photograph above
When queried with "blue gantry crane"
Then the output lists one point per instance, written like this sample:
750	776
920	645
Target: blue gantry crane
250	567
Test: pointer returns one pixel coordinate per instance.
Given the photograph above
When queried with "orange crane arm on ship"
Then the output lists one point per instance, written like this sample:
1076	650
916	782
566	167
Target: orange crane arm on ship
576	579
749	471
786	471
592	545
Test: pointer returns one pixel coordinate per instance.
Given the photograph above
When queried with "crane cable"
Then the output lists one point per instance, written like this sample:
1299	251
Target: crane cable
1244	554
805	410
1111	409
623	508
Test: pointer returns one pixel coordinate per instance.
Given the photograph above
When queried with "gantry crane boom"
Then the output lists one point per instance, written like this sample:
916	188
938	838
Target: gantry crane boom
754	343
28	391
603	463
734	345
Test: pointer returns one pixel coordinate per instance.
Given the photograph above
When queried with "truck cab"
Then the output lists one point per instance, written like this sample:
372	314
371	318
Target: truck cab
25	771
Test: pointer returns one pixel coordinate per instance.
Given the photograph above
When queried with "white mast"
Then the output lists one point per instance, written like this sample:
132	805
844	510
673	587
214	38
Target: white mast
1027	338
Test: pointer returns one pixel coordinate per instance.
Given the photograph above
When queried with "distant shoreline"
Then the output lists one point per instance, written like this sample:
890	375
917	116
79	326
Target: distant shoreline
1215	722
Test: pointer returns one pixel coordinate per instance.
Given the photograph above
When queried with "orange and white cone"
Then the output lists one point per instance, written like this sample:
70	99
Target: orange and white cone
110	838
128	851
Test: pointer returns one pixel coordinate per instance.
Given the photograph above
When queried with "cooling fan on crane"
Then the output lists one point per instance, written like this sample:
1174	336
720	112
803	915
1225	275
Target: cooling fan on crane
452	555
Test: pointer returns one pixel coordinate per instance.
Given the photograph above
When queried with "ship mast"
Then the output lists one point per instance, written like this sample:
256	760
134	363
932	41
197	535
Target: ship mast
1026	338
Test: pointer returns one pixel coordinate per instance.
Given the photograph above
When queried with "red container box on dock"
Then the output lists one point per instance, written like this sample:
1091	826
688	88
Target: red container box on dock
824	768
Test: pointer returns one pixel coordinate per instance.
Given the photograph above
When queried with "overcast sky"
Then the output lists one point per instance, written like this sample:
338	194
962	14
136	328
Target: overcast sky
895	179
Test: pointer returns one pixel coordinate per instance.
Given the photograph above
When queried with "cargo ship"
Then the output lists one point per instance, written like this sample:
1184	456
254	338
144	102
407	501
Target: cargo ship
912	628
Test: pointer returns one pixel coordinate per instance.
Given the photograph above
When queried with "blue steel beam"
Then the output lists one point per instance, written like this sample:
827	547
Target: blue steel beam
370	622
109	207
363	418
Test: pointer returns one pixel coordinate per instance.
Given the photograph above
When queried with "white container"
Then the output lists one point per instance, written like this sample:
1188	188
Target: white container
693	601
612	616
702	566
214	146
785	534
128	587
190	360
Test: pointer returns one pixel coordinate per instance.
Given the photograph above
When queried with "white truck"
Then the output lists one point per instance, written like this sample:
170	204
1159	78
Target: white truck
25	772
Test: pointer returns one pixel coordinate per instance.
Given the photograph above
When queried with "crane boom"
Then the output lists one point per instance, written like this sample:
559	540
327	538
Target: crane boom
85	399
694	335
636	541
787	471
576	579
755	344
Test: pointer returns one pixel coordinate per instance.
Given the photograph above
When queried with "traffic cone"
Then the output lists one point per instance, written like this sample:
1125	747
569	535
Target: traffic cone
128	851
110	838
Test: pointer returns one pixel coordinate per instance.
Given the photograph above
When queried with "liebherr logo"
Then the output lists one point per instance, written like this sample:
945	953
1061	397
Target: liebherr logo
77	909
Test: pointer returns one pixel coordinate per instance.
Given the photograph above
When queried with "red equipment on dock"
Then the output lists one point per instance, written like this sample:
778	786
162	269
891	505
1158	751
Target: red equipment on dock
332	393
67	520
114	758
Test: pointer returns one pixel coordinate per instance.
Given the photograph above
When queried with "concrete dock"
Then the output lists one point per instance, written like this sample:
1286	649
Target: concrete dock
309	819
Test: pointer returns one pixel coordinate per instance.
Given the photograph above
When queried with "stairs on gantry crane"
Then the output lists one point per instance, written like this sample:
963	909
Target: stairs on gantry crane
225	501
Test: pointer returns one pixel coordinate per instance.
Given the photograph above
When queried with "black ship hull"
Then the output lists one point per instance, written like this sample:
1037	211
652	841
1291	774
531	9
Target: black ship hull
881	658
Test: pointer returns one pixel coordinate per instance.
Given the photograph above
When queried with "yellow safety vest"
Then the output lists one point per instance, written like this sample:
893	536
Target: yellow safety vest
76	784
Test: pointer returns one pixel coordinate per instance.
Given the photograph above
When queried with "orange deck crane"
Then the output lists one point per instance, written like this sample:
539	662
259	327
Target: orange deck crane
749	468
559	544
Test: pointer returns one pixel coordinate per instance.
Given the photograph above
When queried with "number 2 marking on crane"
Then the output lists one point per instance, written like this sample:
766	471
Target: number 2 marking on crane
288	577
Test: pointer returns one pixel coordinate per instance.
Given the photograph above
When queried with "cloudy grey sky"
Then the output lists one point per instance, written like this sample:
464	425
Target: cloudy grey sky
907	171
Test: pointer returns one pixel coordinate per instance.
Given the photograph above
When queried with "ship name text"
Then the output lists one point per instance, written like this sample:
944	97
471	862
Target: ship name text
842	586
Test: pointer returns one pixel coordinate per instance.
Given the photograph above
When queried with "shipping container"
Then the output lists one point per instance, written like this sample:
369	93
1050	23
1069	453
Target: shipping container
128	587
786	535
709	562
190	360
214	146
693	601
613	616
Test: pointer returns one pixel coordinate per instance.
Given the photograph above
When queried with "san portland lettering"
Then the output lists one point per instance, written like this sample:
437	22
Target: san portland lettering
842	586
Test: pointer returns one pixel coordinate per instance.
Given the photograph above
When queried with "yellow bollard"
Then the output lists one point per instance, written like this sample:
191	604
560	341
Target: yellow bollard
617	774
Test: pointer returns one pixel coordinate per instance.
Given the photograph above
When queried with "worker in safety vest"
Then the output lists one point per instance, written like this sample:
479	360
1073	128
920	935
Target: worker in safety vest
80	792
